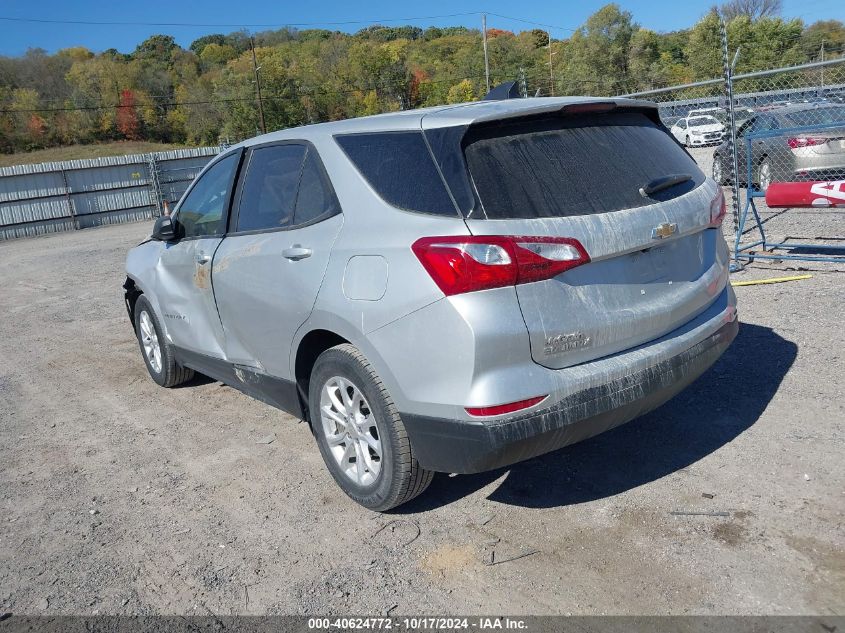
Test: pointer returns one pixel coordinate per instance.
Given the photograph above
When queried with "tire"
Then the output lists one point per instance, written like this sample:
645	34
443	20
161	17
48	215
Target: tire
381	474
719	170
686	141
764	174
163	368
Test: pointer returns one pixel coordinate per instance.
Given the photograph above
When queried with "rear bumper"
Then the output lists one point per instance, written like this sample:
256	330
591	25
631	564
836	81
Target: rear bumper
460	446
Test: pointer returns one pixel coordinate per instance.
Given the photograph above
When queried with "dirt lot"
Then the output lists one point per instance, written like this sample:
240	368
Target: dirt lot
121	497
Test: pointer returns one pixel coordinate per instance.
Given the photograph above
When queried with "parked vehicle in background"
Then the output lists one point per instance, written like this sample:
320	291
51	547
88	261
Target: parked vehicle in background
699	128
797	156
449	289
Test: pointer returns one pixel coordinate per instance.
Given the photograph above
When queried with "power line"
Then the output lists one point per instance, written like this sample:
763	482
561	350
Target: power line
236	24
548	26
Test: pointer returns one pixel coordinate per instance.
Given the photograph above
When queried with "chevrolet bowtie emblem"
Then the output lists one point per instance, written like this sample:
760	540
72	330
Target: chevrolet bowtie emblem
663	230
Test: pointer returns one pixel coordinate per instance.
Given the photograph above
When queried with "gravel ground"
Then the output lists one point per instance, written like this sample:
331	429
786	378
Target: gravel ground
123	498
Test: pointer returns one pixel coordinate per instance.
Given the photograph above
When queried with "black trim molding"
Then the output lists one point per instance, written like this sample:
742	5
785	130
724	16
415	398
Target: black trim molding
277	392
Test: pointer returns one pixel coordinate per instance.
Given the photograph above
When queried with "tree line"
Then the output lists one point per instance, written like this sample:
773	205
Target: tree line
207	92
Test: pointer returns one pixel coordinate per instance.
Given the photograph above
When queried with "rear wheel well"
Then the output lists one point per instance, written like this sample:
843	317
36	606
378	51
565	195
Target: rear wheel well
310	347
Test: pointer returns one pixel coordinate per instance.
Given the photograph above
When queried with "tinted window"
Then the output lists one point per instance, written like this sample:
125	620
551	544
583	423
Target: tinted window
315	198
399	167
269	188
558	167
761	123
204	209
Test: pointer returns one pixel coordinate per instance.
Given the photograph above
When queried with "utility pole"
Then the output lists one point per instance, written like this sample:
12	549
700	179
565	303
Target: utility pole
255	69
822	67
484	41
551	67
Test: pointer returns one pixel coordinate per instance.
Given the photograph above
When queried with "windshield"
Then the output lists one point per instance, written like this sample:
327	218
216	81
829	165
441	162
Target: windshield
698	121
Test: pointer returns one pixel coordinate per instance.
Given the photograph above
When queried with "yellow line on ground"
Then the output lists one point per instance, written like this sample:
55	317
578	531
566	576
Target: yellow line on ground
773	280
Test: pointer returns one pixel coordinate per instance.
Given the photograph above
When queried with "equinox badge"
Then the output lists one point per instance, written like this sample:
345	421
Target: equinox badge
663	230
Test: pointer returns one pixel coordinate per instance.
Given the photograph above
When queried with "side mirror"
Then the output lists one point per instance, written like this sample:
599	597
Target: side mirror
164	229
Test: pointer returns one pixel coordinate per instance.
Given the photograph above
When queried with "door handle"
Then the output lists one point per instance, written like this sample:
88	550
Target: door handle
202	258
295	253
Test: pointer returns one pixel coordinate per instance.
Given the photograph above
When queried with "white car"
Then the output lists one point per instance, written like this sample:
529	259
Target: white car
696	130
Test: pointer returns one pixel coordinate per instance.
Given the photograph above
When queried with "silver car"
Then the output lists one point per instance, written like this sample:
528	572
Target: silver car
452	289
801	142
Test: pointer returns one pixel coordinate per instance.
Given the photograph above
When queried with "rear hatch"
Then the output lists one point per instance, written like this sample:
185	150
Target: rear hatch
588	174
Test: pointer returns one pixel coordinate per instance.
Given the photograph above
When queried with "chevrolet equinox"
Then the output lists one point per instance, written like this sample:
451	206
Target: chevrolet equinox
450	289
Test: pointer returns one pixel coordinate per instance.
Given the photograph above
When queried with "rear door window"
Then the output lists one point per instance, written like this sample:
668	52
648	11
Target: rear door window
315	199
572	166
268	193
399	167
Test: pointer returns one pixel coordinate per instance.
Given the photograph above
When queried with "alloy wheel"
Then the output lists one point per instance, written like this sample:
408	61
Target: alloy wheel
351	431
149	341
765	175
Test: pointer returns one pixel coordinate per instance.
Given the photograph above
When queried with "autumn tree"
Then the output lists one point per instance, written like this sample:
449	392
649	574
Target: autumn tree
127	116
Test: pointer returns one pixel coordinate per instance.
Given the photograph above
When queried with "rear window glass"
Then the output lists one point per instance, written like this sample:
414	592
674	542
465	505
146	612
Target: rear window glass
399	167
571	166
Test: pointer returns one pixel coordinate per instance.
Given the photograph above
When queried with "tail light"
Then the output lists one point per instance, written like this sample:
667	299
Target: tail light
718	208
466	263
805	141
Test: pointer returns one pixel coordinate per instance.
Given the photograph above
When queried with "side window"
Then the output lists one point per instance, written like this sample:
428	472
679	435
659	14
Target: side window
203	211
316	198
747	127
682	124
761	124
399	166
268	194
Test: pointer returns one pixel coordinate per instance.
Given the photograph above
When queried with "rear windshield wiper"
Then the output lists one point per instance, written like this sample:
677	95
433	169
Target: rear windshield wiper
664	182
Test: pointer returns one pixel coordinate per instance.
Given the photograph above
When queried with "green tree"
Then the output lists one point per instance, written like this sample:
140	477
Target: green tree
600	50
830	33
461	92
704	48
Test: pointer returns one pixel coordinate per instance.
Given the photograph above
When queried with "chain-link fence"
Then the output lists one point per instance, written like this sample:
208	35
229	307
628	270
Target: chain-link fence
789	128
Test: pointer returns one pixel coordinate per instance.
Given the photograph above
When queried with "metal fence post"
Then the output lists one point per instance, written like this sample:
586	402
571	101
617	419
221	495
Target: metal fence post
732	149
155	186
69	200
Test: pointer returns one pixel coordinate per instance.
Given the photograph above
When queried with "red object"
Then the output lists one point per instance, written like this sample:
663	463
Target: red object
806	194
467	263
501	409
126	118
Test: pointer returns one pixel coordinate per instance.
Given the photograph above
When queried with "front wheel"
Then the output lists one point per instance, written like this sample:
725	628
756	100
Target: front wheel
157	352
686	141
359	432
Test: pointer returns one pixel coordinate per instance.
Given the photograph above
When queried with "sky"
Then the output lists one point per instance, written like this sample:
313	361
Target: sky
256	15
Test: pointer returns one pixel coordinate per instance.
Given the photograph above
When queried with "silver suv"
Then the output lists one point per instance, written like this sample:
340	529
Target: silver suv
452	289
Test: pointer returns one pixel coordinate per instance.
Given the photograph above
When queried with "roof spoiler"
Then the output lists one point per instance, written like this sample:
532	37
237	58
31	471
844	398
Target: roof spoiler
507	90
